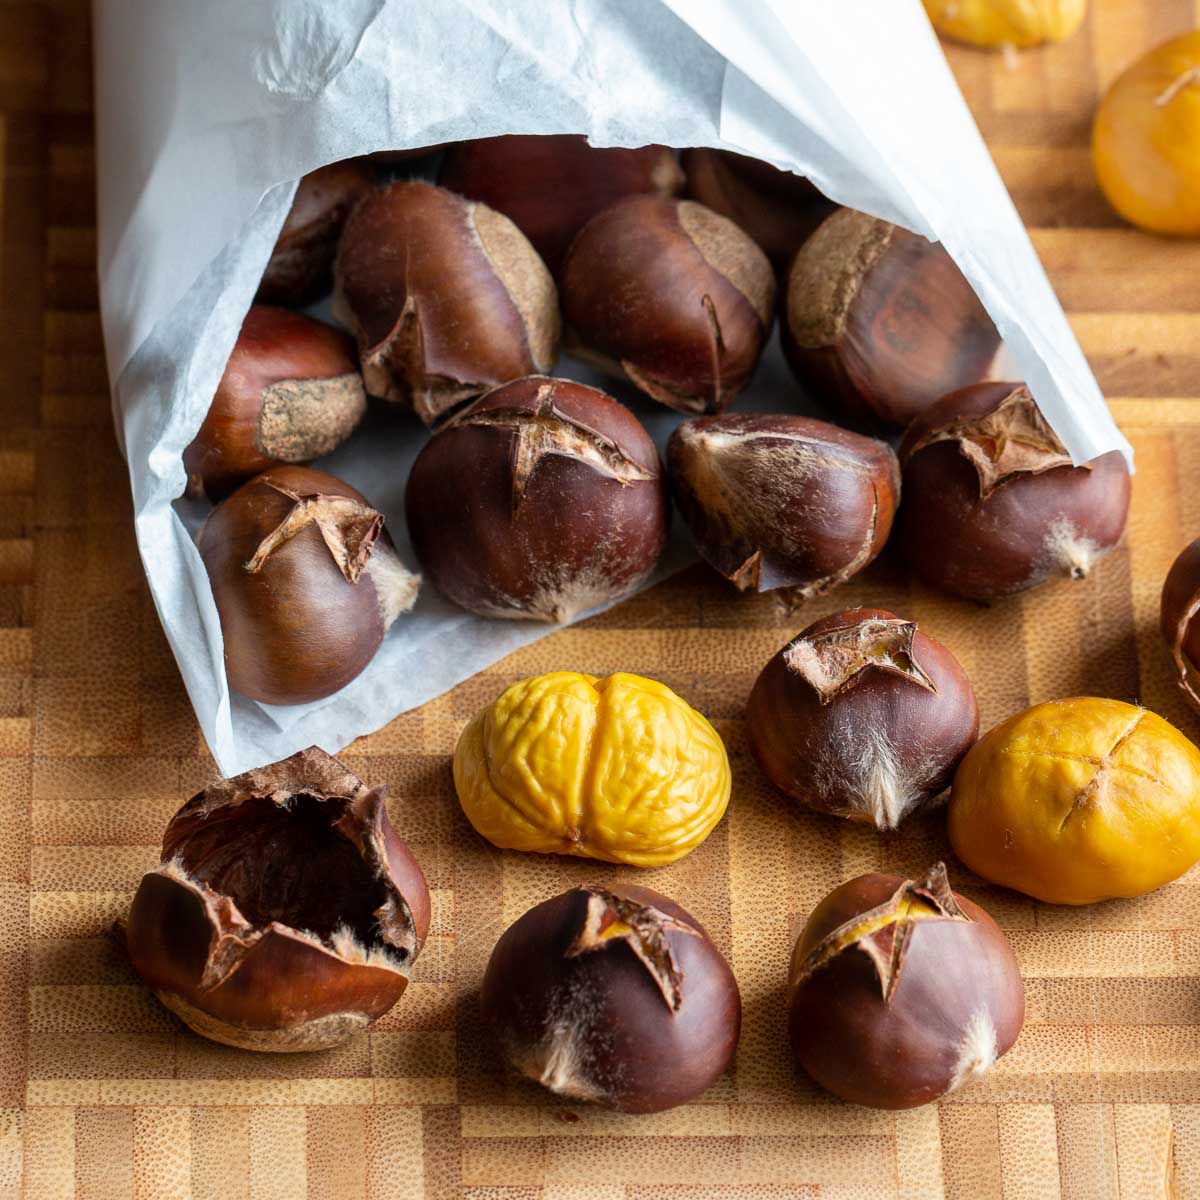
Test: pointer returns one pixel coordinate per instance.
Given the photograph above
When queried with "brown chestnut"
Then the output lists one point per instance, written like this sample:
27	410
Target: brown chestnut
1180	624
542	499
992	502
306	583
778	209
672	296
900	991
290	393
863	716
614	995
552	185
781	501
446	297
286	914
879	323
300	269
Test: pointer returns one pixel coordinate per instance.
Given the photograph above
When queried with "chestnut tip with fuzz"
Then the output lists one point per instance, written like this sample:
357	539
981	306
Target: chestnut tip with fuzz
286	914
613	995
863	716
780	501
1180	615
992	501
901	991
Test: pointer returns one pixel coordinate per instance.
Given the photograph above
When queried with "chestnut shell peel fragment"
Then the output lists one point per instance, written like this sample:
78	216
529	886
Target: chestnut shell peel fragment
613	995
286	914
1180	624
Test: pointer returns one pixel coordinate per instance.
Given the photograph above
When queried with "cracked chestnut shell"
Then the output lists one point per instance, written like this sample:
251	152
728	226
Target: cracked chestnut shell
1180	614
286	914
291	392
863	716
552	185
672	296
879	323
901	991
992	502
780	501
542	499
300	269
613	995
446	297
306	583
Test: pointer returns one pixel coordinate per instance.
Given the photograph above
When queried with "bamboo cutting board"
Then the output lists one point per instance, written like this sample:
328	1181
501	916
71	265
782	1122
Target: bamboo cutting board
103	1096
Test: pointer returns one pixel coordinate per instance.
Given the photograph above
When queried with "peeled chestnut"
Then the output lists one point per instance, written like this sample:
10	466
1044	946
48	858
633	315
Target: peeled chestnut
672	296
901	990
879	323
446	297
992	502
290	393
863	716
614	995
1180	626
286	914
300	269
552	185
780	501
542	499
778	209
306	583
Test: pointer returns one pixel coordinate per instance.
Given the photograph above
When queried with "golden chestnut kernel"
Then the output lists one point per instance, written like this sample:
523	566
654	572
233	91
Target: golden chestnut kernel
863	716
306	583
286	914
291	392
1181	618
613	995
780	501
550	186
901	991
992	502
446	297
672	296
999	23
879	323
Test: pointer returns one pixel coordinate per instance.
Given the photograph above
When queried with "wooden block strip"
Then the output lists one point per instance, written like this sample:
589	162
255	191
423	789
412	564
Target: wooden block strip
12	1121
50	1154
16	649
265	1093
16	560
16	472
162	1153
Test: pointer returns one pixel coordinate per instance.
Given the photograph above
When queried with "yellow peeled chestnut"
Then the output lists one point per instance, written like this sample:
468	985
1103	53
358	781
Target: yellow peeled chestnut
1146	139
1079	800
1019	23
620	769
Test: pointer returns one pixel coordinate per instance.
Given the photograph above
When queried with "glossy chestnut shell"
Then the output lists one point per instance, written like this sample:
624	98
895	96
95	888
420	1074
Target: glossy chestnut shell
1181	618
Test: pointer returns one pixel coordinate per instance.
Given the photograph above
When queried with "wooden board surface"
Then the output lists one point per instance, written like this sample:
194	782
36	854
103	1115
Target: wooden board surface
102	1096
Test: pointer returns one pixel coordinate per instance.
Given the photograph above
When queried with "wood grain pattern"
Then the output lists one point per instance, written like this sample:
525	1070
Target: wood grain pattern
103	1096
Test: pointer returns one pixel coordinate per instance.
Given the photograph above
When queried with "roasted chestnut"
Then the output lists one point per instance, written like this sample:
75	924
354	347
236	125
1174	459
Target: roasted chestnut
290	393
300	269
1180	623
992	502
780	501
863	716
901	990
306	583
879	323
614	995
670	295
542	499
446	297
286	914
552	185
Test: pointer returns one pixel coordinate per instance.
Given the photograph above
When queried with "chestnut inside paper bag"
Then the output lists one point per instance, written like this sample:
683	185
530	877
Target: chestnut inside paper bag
208	113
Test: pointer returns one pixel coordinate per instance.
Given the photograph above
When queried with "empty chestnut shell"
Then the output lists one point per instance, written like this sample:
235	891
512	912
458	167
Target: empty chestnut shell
542	499
300	269
290	393
614	995
1180	623
863	716
992	502
286	914
446	297
672	296
306	583
879	323
552	185
780	501
901	991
